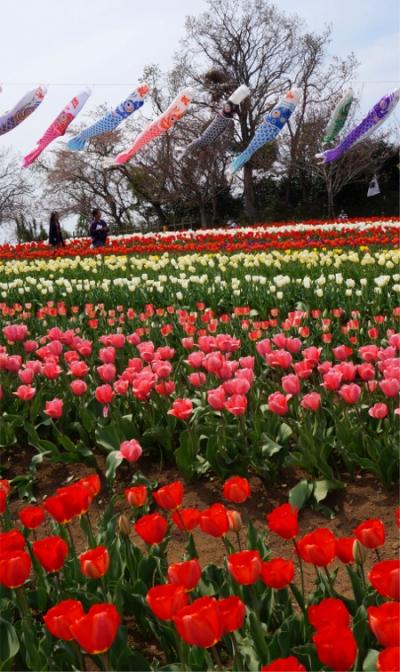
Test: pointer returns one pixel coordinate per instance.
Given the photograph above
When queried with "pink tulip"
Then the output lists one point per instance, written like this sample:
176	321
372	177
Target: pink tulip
30	346
311	401
366	371
342	352
332	380
350	393
390	387
130	450
291	384
188	343
107	355
369	353
54	408
13	363
348	371
165	388
216	398
236	404
247	362
104	394
280	358
26	376
236	386
79	369
25	392
263	347
15	332
181	409
278	403
378	411
78	387
195	359
197	379
51	370
107	372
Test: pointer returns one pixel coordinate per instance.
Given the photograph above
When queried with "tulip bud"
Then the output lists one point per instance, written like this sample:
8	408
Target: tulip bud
359	552
234	520
124	526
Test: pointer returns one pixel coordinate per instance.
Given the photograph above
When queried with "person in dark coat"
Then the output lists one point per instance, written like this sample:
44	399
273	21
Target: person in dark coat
55	235
98	229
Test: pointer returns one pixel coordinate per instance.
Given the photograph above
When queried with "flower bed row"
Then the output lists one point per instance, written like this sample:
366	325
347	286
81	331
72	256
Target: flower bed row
351	279
61	609
374	231
230	392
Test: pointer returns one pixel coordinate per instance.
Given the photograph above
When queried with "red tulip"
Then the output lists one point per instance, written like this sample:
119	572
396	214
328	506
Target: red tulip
277	573
328	611
152	528
384	622
283	521
15	567
13	540
92	484
51	552
317	547
290	664
385	578
232	612
200	623
345	549
95	632
170	496
58	619
378	411
54	408
3	501
234	520
186	519
336	647
389	660
4	486
76	498
95	562
136	495
166	600
245	566
214	520
31	516
181	409
186	573
371	533
236	489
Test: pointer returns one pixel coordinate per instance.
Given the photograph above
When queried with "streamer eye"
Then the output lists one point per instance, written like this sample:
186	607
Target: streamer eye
276	114
128	106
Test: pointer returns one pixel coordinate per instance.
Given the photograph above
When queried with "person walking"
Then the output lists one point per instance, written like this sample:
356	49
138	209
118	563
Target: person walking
55	234
98	229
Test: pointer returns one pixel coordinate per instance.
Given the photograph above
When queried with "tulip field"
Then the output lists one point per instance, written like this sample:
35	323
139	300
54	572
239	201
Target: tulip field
261	364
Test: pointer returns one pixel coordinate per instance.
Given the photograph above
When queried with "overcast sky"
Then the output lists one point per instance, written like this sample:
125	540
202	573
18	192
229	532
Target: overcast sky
106	43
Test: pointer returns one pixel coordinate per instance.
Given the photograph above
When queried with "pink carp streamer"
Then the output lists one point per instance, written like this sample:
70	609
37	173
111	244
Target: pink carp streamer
59	126
163	123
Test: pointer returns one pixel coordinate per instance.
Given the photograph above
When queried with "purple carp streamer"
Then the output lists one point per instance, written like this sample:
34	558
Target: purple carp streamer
21	110
375	118
220	122
59	125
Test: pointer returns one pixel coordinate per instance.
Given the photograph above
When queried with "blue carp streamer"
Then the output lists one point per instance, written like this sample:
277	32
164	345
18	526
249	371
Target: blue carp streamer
111	120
